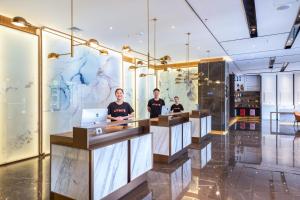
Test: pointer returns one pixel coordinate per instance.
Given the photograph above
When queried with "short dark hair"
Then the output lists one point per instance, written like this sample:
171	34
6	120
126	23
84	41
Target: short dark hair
176	97
118	90
156	89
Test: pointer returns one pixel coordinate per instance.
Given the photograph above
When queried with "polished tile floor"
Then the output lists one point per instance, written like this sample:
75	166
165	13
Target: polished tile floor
253	161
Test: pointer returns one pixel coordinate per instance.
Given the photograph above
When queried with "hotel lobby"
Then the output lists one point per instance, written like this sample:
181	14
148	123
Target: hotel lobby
149	100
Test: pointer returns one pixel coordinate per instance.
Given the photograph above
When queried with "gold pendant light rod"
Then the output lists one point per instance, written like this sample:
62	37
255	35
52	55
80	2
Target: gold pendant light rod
72	34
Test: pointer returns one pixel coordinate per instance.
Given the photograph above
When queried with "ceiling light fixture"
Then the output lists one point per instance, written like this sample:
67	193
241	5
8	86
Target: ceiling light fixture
271	62
283	7
20	22
284	66
249	7
53	56
103	52
92	43
293	33
126	49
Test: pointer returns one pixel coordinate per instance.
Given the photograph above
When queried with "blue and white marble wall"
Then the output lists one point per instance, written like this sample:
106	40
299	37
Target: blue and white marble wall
18	95
110	169
70	172
186	91
141	158
176	138
88	80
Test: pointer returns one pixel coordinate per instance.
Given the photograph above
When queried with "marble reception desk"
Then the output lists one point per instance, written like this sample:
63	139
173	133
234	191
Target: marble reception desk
201	125
104	166
171	136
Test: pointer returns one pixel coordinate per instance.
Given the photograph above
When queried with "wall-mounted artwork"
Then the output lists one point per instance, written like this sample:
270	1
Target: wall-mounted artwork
186	90
88	80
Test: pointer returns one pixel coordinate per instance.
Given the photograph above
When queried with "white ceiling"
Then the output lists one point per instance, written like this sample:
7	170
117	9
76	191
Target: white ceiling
226	31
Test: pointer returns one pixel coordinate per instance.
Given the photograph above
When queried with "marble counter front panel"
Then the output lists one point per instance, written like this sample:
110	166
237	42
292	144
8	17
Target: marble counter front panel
141	159
110	168
70	172
160	139
195	127
176	138
187	134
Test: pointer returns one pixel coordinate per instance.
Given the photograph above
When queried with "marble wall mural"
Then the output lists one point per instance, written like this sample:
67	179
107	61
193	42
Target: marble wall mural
18	95
87	80
186	91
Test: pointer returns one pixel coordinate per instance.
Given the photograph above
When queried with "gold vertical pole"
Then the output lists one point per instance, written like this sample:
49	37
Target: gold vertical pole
40	91
72	36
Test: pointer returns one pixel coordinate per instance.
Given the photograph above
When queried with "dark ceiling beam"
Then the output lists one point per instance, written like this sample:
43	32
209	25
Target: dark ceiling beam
293	33
249	6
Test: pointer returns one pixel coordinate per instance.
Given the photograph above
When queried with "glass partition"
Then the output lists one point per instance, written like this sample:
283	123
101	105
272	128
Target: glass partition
18	95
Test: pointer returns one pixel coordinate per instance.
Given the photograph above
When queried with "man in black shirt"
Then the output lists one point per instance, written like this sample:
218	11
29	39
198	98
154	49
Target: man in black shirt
119	110
176	107
155	105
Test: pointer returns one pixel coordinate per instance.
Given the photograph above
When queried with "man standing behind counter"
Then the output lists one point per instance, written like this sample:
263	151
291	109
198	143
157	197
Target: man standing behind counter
155	105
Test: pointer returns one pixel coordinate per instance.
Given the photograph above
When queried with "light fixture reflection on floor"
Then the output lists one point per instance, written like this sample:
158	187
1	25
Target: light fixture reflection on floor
20	22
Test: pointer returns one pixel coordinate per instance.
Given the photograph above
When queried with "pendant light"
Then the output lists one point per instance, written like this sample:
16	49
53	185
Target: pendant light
20	22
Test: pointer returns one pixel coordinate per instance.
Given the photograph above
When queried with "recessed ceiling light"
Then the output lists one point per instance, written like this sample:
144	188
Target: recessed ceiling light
173	27
283	7
110	28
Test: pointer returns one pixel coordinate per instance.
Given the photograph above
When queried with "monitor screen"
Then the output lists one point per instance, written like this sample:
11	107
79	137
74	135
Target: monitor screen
93	116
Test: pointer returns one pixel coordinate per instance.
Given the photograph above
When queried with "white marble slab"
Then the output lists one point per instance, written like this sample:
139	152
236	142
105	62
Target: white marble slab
110	169
140	155
186	134
195	127
160	140
70	172
208	124
176	138
203	126
186	173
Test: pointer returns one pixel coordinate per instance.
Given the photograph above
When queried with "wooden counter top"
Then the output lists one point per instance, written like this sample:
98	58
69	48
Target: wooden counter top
170	120
86	138
199	113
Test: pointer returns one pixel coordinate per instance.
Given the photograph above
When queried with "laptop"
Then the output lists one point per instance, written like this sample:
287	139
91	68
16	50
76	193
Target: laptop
91	117
165	110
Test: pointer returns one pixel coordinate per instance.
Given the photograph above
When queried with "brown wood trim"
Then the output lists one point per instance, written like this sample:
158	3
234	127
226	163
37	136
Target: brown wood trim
138	193
91	141
128	161
196	140
6	21
55	196
91	173
199	113
170	120
81	138
158	158
127	188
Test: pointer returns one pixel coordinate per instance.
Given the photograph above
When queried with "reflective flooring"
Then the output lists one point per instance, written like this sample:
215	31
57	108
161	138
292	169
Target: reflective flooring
252	161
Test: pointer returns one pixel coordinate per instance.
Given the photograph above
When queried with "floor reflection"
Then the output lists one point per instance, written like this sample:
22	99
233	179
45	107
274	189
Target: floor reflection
250	162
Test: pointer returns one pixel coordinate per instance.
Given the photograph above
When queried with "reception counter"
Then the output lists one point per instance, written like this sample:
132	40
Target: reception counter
171	136
86	165
201	125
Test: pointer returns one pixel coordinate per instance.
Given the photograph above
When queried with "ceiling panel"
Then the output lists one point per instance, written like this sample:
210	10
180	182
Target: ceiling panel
115	23
273	21
226	19
255	45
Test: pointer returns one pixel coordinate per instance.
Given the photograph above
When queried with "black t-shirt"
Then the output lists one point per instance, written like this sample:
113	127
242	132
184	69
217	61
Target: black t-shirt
155	107
116	110
176	108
